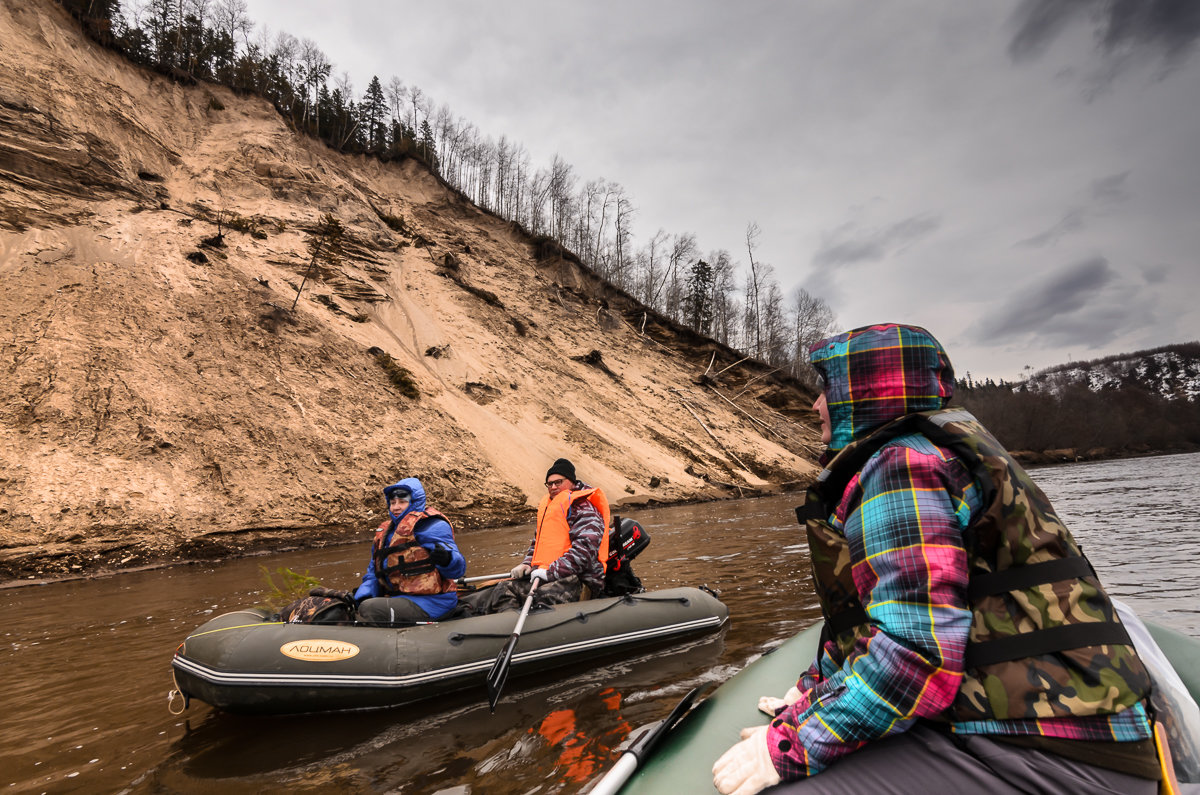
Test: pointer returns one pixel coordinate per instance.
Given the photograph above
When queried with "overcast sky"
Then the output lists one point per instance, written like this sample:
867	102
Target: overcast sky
1023	179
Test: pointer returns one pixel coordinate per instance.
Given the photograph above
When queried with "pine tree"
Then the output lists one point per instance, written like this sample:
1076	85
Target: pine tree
698	301
374	110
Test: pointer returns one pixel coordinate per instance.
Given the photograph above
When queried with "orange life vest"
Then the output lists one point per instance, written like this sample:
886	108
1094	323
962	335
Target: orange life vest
554	534
403	566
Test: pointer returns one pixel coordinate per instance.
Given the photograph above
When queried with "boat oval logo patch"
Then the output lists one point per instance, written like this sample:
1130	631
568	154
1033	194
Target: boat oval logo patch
317	650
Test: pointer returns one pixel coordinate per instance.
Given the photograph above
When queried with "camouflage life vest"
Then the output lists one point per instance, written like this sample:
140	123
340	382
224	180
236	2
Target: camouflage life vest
402	565
1045	640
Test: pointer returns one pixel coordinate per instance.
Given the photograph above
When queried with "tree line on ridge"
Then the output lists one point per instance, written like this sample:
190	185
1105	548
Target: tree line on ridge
215	40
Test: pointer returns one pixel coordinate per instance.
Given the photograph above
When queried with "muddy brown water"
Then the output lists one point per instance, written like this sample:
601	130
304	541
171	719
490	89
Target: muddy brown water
86	664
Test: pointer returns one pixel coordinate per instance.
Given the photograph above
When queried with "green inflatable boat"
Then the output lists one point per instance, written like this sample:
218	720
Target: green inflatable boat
246	662
681	757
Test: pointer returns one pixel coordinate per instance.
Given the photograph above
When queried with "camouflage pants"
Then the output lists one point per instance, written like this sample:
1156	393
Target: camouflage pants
511	594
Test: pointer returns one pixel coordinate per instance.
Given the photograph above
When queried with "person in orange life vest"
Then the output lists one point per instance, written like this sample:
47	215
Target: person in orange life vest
414	561
569	546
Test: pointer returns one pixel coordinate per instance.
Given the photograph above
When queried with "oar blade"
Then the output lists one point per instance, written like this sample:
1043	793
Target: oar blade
498	675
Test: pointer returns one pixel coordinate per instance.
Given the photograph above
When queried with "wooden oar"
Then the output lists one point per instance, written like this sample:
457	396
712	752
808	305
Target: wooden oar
643	746
499	672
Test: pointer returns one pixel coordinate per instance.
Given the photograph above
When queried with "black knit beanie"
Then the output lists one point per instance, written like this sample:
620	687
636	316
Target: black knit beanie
562	467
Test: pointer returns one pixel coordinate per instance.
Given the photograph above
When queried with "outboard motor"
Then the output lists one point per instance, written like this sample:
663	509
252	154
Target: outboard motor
626	540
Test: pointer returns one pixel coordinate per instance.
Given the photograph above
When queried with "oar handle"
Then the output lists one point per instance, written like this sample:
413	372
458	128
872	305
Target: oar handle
615	779
504	575
644	746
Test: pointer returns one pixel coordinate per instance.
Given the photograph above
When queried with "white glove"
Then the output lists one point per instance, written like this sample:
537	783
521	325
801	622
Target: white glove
746	768
520	571
772	705
539	574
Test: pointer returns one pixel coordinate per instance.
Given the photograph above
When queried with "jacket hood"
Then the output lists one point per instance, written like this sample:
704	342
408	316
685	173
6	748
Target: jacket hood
414	487
875	374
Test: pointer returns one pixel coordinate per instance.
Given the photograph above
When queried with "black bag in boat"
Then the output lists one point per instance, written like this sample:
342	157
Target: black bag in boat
321	606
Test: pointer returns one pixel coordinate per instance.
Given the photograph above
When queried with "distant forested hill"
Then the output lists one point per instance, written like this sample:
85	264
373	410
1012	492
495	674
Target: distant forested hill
1128	404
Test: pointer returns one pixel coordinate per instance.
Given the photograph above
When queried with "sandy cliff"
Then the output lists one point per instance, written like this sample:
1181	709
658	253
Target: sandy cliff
159	401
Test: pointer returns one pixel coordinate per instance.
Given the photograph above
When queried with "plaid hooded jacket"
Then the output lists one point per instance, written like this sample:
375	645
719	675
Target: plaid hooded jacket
904	515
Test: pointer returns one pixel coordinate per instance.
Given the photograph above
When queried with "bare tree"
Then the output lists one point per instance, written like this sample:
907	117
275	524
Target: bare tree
284	50
624	218
755	288
725	309
231	19
344	84
234	18
414	95
598	248
396	94
776	348
562	189
812	321
314	68
520	177
539	197
652	279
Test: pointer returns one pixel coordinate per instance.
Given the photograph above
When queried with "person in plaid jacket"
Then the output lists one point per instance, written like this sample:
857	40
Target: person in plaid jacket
895	702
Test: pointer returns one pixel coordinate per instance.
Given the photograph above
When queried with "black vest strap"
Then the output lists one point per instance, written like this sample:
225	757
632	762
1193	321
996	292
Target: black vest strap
404	567
1019	578
848	619
1047	641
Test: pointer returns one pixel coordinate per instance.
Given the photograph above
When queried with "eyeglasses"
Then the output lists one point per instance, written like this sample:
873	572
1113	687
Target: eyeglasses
399	497
553	484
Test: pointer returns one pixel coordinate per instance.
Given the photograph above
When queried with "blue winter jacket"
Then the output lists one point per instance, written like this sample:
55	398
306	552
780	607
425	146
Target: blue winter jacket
430	532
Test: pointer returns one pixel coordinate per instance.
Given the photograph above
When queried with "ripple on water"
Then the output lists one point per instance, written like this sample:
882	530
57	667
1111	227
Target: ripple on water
87	664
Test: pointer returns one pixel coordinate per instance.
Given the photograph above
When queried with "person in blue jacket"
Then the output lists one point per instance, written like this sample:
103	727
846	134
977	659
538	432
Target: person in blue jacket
414	561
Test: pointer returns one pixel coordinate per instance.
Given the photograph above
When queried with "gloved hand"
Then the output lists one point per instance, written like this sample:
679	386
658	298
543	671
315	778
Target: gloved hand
746	768
773	706
440	555
539	574
520	571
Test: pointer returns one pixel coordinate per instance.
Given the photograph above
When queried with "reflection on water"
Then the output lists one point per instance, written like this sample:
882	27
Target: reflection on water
87	664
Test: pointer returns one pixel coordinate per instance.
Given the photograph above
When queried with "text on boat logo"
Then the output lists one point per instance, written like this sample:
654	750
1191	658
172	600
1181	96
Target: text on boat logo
316	650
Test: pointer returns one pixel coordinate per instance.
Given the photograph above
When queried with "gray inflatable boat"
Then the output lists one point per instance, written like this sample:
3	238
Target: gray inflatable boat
245	662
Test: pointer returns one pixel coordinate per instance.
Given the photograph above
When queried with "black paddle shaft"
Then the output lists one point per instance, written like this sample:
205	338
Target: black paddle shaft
499	673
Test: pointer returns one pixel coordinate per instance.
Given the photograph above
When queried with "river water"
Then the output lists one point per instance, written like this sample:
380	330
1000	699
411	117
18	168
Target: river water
86	664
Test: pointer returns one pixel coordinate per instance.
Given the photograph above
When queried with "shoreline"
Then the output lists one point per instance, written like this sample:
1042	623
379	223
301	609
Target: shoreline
76	559
1070	455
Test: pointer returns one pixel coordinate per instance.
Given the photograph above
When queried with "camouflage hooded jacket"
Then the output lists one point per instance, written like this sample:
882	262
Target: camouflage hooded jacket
916	519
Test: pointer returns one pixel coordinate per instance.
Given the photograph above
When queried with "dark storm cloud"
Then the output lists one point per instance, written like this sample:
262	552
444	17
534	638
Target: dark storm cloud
1111	190
1071	222
850	244
1168	28
1065	307
1104	192
1155	274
